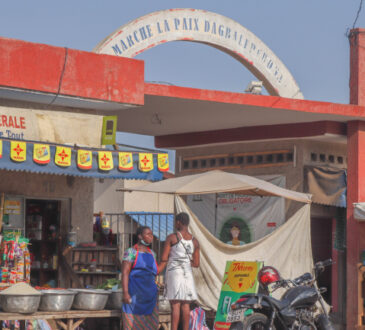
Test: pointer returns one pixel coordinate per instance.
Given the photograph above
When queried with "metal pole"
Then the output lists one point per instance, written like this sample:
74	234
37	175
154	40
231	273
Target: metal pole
215	214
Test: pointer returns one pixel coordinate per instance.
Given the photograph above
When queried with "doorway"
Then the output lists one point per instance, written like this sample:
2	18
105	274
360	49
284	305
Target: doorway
42	227
321	234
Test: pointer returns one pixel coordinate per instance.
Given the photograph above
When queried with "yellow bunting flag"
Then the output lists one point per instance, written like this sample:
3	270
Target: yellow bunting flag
105	160
125	161
63	156
1	148
145	162
18	151
41	153
163	162
84	159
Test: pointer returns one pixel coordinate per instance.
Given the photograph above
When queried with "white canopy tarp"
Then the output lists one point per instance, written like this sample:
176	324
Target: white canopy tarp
288	249
220	182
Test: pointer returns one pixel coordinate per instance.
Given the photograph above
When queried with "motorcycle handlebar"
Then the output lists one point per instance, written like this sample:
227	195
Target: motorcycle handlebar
323	264
279	284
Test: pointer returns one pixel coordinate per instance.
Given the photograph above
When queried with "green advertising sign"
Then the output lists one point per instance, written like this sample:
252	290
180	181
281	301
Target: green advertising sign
240	277
109	130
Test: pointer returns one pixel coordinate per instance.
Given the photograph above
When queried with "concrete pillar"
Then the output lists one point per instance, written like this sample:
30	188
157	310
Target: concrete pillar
355	173
357	66
355	230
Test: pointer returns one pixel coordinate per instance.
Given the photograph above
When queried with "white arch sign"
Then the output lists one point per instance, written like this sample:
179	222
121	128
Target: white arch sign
204	27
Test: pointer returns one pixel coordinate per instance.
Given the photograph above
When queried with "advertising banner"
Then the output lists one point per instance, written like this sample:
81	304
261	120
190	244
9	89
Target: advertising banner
239	219
125	161
163	162
105	160
145	163
240	277
109	130
41	154
18	151
84	159
63	156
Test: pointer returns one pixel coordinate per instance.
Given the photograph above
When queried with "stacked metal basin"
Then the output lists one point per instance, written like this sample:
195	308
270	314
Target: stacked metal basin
115	300
17	303
56	300
90	299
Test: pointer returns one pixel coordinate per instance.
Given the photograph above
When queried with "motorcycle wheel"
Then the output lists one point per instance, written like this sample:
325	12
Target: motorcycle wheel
236	326
256	321
323	323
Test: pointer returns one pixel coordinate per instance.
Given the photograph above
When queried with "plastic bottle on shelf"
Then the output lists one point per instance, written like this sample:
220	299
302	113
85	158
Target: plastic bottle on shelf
92	267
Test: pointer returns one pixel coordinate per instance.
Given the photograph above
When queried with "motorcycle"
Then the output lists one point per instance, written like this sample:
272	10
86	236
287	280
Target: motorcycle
301	307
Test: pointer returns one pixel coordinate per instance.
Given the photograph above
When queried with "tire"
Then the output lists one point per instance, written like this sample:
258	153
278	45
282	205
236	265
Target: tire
236	326
323	323
256	321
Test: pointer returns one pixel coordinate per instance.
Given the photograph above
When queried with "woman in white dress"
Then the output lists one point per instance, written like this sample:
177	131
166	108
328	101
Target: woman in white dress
181	252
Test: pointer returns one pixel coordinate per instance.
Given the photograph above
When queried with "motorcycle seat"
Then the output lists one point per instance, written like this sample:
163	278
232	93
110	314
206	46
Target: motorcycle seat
279	304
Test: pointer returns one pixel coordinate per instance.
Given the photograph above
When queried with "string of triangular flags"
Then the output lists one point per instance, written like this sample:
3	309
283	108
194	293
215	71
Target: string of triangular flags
63	157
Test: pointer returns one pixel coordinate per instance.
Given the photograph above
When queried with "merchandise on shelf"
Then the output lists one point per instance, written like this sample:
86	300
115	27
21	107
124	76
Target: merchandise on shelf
15	259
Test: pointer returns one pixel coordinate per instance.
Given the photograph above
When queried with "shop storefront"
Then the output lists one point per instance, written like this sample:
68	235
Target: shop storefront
44	202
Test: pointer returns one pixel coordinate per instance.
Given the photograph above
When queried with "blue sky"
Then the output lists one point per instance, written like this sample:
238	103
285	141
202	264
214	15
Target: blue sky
308	36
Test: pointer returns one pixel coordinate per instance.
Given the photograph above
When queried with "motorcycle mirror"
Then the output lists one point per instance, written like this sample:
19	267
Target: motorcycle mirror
322	290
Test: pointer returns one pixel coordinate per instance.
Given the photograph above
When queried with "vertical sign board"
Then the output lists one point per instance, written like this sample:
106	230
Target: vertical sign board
240	277
13	213
109	130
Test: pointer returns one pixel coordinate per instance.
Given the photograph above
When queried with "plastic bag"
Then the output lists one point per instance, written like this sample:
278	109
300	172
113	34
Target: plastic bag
197	319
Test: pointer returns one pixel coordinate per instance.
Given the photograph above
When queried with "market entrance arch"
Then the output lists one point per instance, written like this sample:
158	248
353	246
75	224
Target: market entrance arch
208	28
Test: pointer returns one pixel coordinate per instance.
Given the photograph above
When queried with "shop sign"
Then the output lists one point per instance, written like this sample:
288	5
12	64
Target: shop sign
50	126
163	162
105	160
17	124
63	156
109	130
18	151
84	159
41	153
125	161
208	28
240	277
12	206
145	163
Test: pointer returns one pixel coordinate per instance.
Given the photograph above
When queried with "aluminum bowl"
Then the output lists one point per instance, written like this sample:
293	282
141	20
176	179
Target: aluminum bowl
56	300
17	303
115	300
90	299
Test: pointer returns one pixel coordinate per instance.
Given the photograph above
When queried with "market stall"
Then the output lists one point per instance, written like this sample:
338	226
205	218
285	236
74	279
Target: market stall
288	248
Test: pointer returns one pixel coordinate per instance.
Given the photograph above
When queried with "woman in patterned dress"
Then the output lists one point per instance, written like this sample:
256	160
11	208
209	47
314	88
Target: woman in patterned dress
139	270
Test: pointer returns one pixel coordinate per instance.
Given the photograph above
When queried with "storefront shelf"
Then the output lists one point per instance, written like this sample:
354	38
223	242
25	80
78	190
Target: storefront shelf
105	258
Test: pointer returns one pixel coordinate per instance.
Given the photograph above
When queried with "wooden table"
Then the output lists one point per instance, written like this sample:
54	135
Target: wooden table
74	317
